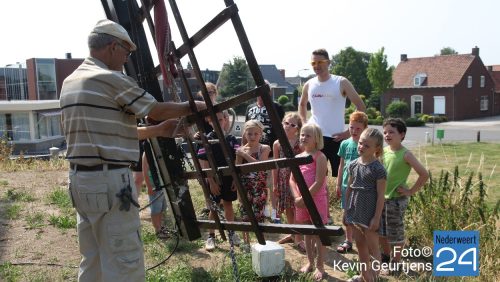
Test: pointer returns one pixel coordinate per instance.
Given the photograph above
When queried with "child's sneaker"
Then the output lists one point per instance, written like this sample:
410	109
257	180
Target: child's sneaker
210	244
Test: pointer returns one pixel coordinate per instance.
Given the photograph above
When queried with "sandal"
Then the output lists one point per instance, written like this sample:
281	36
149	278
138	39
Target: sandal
163	234
301	247
344	247
286	239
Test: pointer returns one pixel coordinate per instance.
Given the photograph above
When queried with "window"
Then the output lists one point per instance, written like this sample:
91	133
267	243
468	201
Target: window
483	103
416	81
3	126
46	79
20	126
439	105
419	79
16	86
48	125
395	100
482	81
469	81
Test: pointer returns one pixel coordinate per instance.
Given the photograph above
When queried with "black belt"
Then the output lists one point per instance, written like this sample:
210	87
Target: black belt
78	167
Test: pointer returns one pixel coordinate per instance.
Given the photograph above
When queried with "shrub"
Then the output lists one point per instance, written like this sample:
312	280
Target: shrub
398	109
425	118
375	121
436	119
455	202
283	99
414	122
5	149
348	111
371	112
289	107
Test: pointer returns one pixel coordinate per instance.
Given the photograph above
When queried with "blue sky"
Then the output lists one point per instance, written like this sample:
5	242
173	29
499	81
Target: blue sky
281	32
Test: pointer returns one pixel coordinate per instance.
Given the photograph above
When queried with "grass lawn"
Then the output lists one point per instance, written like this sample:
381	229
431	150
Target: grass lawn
469	157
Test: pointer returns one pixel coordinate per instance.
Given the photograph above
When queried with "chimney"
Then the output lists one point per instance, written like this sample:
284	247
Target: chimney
282	72
404	57
475	51
68	55
490	68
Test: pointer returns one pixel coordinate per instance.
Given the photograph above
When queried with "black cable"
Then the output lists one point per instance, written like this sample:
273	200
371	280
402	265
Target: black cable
151	202
171	254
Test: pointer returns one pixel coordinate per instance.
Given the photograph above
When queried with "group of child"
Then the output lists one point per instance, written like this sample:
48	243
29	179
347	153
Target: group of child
372	186
374	191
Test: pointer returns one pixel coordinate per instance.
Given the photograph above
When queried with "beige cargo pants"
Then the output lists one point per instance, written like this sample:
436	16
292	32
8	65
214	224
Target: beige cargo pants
108	238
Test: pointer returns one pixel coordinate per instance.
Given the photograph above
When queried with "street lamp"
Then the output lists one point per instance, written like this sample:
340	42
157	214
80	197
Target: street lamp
300	78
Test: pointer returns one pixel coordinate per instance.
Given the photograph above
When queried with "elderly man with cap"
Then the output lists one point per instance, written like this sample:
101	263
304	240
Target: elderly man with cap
99	106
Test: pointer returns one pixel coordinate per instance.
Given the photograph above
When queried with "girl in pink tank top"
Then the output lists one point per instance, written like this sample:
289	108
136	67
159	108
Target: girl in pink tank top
311	140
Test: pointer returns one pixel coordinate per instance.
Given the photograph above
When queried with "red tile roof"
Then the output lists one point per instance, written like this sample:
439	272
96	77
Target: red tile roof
441	71
496	67
496	78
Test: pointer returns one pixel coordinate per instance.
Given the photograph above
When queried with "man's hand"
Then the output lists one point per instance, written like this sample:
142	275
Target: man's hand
341	136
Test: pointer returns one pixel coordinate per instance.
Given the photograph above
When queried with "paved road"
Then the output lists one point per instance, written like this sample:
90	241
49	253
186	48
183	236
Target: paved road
463	131
466	131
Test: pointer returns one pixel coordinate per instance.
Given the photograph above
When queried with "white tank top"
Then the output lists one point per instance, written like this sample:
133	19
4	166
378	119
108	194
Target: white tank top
327	105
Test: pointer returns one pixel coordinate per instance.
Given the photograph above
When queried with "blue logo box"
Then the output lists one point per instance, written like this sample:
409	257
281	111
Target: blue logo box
456	253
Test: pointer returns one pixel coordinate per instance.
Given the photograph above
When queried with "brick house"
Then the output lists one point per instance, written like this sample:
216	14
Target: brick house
495	74
456	86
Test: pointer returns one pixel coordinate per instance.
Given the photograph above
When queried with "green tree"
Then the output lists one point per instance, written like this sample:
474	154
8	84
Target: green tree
380	77
352	64
235	78
448	51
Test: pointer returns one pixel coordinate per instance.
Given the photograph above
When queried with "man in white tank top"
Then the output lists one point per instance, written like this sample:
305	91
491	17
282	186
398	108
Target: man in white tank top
327	95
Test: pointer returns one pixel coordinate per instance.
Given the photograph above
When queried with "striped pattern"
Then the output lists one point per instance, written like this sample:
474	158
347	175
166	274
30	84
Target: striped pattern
99	111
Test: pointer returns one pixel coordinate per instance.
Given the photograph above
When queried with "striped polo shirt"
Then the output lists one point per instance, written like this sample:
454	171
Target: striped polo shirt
99	110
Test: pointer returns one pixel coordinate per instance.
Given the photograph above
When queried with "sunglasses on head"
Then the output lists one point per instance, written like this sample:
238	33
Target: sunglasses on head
286	123
314	63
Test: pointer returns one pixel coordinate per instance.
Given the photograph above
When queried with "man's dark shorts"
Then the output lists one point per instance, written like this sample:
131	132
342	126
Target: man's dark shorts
331	150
